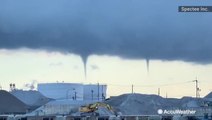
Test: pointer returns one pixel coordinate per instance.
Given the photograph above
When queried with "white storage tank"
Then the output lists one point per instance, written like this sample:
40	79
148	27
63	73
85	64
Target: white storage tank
95	92
57	91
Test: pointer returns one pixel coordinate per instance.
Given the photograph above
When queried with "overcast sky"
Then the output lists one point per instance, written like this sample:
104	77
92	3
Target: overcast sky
45	40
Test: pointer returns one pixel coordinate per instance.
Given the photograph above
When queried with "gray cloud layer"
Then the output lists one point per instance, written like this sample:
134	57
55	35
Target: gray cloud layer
127	28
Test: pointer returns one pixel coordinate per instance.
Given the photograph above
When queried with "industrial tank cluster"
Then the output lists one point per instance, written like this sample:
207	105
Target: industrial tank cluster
73	91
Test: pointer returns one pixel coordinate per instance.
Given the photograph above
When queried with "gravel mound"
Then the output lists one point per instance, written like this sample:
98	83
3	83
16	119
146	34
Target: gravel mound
209	95
142	104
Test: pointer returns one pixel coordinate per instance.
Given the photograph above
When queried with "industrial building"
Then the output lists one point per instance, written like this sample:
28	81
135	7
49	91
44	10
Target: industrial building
31	98
9	104
73	91
61	90
94	92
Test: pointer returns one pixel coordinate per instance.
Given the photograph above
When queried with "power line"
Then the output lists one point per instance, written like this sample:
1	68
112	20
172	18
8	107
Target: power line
151	85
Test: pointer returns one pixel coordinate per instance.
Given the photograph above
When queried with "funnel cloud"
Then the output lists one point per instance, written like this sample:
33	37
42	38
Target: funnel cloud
131	29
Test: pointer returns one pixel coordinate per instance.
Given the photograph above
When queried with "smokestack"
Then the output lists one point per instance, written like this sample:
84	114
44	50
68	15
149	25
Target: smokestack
12	86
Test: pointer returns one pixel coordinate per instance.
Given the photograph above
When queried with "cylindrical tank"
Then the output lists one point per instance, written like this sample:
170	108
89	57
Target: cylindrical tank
95	92
57	91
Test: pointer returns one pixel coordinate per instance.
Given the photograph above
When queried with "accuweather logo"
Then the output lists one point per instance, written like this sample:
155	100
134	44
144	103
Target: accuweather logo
178	111
160	111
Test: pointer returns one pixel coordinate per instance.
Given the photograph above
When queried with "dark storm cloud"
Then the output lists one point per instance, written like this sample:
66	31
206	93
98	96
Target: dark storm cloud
127	28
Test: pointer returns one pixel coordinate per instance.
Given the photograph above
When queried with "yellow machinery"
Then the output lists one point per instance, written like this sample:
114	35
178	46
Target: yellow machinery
93	107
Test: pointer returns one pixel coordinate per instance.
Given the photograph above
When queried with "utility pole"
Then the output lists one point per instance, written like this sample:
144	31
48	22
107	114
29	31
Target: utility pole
103	97
92	94
75	95
158	91
132	89
197	89
98	91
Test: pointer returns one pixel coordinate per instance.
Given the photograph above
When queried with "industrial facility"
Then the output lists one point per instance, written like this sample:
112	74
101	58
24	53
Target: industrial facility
73	91
76	101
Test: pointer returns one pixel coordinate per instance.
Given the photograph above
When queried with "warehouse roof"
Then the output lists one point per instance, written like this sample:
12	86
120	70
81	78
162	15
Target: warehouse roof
31	97
10	104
